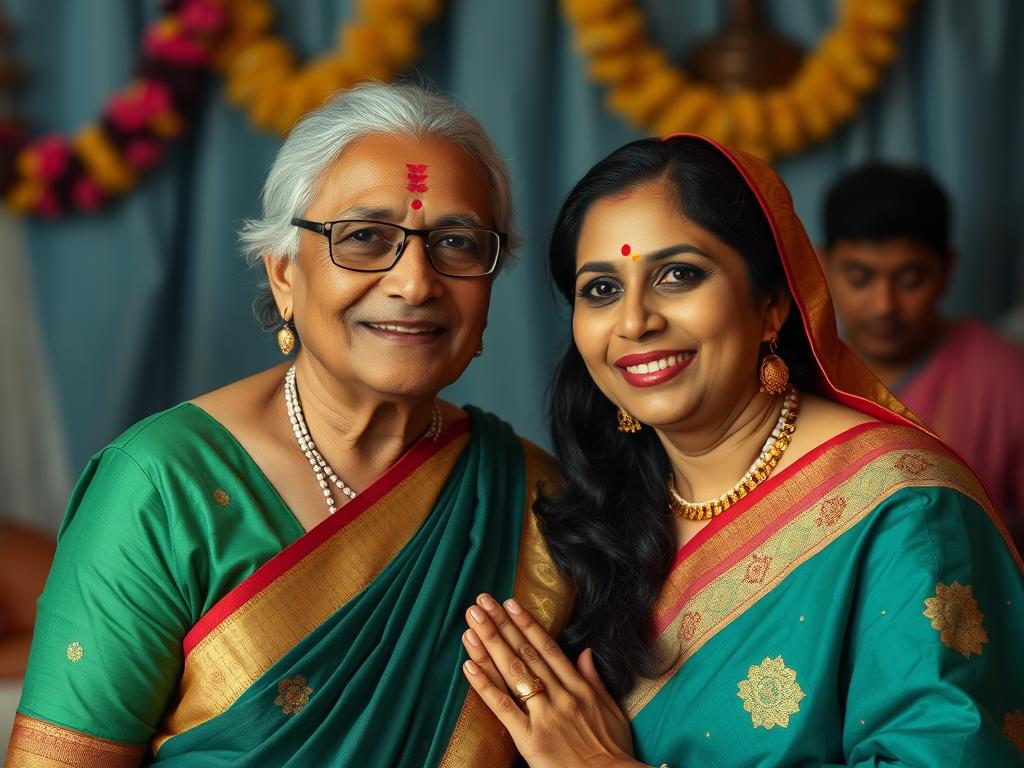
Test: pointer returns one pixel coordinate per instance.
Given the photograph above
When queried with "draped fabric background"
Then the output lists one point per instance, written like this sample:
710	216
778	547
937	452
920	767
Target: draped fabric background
149	304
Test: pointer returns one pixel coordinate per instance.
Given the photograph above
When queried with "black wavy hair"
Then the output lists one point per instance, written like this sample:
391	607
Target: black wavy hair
609	528
879	202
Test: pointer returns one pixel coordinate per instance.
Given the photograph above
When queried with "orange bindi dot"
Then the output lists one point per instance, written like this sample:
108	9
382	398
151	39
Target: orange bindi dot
625	249
417	204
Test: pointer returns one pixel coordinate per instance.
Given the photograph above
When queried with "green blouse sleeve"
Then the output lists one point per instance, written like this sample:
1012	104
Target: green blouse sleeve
106	654
933	659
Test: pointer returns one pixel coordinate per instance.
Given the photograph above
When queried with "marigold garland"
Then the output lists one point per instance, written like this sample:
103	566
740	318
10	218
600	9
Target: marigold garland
264	79
659	98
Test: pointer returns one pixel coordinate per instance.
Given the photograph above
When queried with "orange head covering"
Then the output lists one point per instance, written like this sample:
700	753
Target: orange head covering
843	376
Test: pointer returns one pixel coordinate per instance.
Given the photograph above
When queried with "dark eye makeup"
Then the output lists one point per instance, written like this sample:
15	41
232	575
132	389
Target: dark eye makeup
674	277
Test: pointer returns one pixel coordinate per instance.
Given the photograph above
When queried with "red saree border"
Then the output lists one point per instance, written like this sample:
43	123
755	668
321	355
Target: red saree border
291	555
767	486
38	744
795	509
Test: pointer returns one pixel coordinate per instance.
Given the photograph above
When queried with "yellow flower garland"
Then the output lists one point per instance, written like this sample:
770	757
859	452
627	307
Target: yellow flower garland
264	79
657	97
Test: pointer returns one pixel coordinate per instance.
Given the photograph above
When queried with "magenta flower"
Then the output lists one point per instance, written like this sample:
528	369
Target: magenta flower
86	194
175	48
201	16
143	153
53	153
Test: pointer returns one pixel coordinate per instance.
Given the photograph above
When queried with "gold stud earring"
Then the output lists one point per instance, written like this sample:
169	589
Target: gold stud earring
285	336
774	373
627	422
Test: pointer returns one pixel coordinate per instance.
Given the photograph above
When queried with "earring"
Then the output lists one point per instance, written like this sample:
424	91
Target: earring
285	336
774	372
479	351
627	422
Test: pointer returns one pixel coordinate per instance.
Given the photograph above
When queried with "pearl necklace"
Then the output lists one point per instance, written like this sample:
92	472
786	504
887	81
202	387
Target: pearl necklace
759	471
326	476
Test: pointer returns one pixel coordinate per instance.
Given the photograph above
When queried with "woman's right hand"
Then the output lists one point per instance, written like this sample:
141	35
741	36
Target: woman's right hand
573	722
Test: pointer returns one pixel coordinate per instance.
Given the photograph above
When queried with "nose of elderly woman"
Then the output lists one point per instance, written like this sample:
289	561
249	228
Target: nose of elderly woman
413	279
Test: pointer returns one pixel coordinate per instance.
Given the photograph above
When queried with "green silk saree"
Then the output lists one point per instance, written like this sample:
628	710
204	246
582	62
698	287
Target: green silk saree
189	620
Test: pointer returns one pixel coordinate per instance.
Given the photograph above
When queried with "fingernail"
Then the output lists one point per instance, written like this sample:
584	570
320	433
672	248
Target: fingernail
487	602
513	606
472	638
477	614
470	667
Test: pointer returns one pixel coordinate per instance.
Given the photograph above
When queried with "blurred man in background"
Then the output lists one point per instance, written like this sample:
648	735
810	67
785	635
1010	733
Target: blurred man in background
888	261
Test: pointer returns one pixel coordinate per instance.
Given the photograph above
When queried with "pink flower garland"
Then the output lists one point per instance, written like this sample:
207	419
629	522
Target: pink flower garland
55	175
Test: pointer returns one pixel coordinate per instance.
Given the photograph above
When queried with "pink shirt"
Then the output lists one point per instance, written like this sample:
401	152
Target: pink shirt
970	391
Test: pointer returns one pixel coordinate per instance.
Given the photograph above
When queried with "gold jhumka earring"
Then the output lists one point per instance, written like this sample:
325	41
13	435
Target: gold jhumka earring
774	372
285	336
627	422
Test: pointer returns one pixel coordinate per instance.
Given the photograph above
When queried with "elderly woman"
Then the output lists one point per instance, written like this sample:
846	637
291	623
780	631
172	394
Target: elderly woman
273	573
844	594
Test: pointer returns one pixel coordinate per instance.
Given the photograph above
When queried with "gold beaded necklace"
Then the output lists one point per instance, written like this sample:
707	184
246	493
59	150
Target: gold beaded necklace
759	471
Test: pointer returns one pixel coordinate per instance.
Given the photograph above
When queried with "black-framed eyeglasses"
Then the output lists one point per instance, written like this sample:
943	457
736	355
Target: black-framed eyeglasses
376	246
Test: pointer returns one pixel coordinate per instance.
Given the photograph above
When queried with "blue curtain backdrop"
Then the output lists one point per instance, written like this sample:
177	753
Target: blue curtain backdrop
149	304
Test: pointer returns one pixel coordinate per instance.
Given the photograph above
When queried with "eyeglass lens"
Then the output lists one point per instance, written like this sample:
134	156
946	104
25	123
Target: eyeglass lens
462	251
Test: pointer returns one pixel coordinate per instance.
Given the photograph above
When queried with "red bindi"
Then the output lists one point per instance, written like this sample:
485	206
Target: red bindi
417	174
625	249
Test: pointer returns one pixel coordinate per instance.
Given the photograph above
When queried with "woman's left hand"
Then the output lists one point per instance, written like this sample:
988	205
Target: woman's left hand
574	721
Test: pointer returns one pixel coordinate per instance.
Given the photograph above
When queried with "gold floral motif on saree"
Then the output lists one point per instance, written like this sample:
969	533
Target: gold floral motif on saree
770	693
1013	727
831	511
954	612
75	652
757	569
293	695
913	464
688	626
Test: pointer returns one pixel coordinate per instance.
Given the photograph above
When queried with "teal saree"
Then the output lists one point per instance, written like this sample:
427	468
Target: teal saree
844	614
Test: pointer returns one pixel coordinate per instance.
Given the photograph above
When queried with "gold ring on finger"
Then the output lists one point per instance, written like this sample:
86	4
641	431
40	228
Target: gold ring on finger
527	689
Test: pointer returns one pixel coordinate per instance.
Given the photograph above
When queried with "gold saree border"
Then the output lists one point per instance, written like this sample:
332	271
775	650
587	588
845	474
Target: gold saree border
478	739
792	522
248	642
39	744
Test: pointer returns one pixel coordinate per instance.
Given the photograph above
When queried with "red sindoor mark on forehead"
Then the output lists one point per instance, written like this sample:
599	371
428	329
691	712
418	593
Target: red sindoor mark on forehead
417	175
625	250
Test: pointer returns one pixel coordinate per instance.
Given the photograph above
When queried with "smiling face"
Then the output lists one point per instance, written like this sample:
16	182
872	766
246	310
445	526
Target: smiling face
674	335
409	330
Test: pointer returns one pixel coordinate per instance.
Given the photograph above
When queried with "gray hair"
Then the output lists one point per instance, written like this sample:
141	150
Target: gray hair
322	135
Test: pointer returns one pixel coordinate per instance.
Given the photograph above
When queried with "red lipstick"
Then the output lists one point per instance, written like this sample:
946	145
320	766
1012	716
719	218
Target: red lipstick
652	368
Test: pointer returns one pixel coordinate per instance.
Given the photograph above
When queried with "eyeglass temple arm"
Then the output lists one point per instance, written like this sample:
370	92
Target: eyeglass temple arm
312	226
